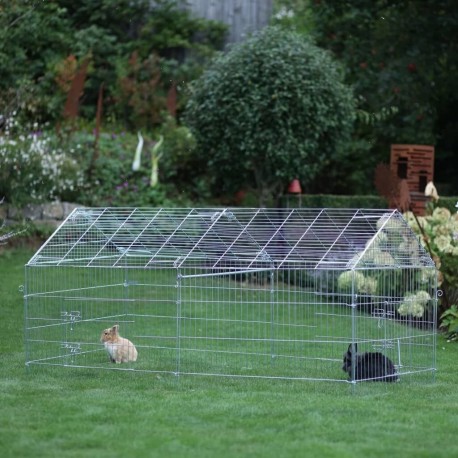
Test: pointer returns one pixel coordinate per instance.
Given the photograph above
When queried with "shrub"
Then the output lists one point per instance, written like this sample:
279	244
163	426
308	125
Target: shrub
35	166
39	165
111	180
390	64
449	323
273	108
38	38
335	201
439	234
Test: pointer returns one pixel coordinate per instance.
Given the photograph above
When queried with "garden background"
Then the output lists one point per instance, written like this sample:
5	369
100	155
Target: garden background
145	103
78	83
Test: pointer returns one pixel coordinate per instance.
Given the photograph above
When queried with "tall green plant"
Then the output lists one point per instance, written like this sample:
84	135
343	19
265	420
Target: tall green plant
272	109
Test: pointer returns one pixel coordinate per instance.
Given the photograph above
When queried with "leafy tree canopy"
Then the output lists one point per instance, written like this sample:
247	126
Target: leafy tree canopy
38	39
402	54
272	109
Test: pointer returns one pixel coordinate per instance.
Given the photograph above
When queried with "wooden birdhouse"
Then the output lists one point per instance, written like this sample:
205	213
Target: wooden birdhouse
415	164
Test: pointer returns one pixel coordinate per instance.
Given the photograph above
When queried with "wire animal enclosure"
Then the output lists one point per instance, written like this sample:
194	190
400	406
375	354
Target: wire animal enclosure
275	293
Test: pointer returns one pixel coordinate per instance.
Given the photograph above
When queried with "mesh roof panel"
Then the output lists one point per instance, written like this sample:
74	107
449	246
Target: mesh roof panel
232	238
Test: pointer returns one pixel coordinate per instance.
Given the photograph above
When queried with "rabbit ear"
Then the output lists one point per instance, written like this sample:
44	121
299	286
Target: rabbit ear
351	346
115	328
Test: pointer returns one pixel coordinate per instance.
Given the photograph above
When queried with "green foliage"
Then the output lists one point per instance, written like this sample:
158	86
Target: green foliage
137	50
31	36
171	30
449	203
40	165
341	176
272	109
380	261
438	232
399	54
140	97
170	49
35	37
373	119
293	14
111	180
180	161
36	165
332	201
449	323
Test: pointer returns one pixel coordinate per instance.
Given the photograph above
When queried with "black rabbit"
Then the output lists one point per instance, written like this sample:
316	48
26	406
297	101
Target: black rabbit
369	366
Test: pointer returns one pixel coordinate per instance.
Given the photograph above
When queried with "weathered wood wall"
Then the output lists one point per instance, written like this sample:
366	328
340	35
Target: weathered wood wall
242	16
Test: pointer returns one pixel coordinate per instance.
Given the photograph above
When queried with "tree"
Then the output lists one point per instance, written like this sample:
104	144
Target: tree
37	39
399	54
31	35
272	109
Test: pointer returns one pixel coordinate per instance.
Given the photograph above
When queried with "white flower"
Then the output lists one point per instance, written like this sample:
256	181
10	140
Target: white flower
441	214
383	258
349	278
431	191
411	306
368	286
138	153
284	12
443	243
379	239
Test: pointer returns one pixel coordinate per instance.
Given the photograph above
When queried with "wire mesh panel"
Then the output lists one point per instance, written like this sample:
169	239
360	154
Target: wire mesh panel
313	294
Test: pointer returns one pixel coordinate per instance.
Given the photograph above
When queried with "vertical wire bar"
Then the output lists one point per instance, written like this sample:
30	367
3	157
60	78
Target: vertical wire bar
434	322
353	329
272	315
178	322
26	316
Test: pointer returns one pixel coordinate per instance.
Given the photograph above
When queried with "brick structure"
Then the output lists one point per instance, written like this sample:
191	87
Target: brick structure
415	164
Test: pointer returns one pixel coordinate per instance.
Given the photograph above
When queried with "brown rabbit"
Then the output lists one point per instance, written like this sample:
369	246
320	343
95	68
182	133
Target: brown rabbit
121	350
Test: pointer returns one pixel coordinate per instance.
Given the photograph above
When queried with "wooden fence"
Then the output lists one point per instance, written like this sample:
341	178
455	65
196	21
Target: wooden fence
242	16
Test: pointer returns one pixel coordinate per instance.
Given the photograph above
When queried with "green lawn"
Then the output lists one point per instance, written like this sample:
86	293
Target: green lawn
48	411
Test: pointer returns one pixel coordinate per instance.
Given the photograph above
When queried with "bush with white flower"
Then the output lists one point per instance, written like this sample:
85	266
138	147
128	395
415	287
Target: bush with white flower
354	279
391	246
35	166
414	304
438	232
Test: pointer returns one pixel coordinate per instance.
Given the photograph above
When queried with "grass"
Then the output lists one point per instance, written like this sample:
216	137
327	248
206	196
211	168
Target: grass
48	411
